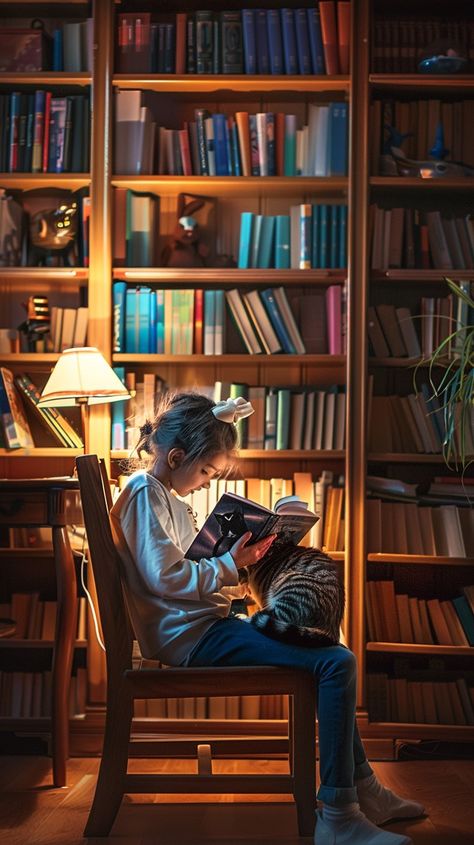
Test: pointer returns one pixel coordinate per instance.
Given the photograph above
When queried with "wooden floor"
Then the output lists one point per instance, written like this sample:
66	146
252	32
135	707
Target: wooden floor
32	812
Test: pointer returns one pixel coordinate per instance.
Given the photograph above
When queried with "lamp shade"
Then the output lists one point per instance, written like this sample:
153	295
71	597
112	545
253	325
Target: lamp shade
82	376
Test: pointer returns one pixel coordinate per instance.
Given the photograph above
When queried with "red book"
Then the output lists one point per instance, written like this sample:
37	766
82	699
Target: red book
47	116
185	151
280	143
343	34
120	227
180	66
333	317
198	322
327	11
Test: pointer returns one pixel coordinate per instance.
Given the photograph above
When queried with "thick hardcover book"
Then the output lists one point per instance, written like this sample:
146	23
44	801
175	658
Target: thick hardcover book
231	42
16	430
52	419
249	40
234	515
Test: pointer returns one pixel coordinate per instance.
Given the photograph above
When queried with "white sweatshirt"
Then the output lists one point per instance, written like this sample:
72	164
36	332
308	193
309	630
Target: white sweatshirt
172	600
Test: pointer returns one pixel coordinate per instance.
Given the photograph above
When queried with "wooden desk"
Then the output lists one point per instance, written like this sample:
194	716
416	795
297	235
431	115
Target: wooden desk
52	502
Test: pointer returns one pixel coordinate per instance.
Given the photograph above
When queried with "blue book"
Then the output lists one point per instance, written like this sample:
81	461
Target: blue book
236	161
275	47
283	418
256	234
246	234
342	236
119	290
131	329
337	139
261	36
323	236
305	236
153	319
466	616
333	235
315	236
58	50
144	300
228	146
302	42
265	246
282	241
276	319
248	34
290	60
316	42
220	144
160	322
117	412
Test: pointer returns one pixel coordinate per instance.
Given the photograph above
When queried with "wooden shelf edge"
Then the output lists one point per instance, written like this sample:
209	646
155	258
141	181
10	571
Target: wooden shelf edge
42	452
190	83
420	648
381	557
239	185
261	454
422	80
417	275
229	358
25	181
220	275
46	77
417	182
72	274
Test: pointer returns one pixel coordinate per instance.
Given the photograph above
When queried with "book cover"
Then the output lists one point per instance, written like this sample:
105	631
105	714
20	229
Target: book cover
275	47
302	42
261	37
318	61
16	429
249	41
289	41
234	515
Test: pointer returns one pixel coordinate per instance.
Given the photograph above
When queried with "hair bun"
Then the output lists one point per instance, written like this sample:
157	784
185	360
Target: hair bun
146	429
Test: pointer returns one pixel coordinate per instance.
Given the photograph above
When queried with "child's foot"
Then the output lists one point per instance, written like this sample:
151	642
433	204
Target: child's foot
354	830
380	804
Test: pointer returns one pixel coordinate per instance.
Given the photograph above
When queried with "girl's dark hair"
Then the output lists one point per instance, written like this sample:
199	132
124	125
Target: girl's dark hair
185	421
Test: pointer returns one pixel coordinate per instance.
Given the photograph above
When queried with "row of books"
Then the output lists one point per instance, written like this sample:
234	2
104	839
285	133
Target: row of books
17	218
73	46
397	618
408	529
29	694
44	133
15	431
407	237
399	42
311	236
68	328
432	702
253	41
35	619
414	424
396	332
261	144
190	322
444	490
325	496
419	121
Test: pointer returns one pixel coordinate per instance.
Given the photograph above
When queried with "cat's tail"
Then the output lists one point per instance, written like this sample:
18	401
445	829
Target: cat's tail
290	633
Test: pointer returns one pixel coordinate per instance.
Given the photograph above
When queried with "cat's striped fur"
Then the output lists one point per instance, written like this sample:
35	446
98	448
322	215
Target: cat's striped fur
299	593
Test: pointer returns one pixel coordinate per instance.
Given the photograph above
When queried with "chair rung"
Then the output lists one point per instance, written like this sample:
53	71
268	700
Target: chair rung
186	746
226	784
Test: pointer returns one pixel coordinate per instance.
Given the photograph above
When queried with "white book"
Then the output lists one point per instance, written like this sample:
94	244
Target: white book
321	153
67	332
261	119
309	420
319	410
313	118
290	322
297	420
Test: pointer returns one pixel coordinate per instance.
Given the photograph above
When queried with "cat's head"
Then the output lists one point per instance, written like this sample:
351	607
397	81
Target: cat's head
232	524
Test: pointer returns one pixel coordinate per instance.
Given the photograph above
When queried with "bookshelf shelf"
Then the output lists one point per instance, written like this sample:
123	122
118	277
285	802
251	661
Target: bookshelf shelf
415	275
271	454
30	358
241	359
416	648
236	185
13	644
419	560
44	274
28	181
47	77
231	275
41	452
461	184
417	83
190	83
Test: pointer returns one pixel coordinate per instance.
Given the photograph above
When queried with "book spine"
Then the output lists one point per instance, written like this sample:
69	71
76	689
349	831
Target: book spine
204	42
275	48
231	42
201	115
249	41
290	145
289	42
118	294
190	45
261	35
277	321
302	42
282	242
316	42
246	227
15	99
38	132
305	237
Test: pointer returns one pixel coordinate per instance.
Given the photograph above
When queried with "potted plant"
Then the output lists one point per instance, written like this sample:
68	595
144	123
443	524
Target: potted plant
451	376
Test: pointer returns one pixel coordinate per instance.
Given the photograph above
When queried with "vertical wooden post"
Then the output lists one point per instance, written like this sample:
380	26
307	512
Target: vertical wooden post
100	236
356	448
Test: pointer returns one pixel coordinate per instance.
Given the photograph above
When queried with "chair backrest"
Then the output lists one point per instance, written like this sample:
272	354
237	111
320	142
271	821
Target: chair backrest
106	564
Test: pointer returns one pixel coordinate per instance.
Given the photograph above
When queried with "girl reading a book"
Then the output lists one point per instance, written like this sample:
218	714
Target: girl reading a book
181	613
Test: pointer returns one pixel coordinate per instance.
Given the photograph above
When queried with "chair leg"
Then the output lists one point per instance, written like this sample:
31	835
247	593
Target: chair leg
113	766
304	756
291	728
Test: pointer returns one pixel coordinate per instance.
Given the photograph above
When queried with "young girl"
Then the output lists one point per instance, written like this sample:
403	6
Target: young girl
180	612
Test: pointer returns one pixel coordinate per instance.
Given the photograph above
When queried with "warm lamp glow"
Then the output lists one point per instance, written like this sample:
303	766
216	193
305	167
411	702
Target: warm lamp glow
82	376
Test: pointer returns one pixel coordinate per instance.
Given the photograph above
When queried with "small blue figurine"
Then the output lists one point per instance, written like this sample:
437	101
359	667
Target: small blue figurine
438	150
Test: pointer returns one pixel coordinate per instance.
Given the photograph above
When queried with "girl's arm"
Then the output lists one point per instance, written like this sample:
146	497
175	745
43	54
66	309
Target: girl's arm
147	528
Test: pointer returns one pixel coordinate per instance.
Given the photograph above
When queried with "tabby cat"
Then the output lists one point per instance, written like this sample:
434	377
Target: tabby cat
300	596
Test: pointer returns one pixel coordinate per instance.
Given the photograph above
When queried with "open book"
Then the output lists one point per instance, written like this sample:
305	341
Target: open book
234	515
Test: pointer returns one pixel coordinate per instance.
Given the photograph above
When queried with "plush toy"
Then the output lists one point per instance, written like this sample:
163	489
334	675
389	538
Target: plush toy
186	248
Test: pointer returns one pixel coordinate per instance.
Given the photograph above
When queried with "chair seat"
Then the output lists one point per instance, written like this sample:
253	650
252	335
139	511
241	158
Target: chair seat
214	680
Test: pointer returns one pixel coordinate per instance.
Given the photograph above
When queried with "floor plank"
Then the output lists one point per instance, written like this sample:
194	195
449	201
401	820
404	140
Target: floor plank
34	812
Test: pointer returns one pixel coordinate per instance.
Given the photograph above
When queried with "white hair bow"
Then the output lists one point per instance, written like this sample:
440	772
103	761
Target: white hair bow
232	410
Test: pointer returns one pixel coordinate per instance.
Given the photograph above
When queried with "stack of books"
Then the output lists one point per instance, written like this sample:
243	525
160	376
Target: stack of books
432	697
399	41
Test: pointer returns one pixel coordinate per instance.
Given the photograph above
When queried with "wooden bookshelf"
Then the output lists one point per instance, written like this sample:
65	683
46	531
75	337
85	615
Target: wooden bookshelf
359	190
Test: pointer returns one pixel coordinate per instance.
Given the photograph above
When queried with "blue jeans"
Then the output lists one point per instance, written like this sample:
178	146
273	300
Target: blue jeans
342	759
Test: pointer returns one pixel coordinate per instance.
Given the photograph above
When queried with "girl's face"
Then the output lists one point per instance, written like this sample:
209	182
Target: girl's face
186	478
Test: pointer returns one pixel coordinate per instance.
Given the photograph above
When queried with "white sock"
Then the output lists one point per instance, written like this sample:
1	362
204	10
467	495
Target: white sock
335	815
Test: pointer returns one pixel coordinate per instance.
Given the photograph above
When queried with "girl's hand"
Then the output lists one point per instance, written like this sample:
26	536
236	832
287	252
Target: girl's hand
245	555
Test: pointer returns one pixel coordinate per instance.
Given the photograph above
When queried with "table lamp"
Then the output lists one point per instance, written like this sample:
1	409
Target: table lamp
82	377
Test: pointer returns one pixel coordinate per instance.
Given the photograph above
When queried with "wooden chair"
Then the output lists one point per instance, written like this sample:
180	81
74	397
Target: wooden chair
125	684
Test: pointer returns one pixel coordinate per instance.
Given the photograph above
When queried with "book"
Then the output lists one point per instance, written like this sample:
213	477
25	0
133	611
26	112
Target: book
235	515
16	430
